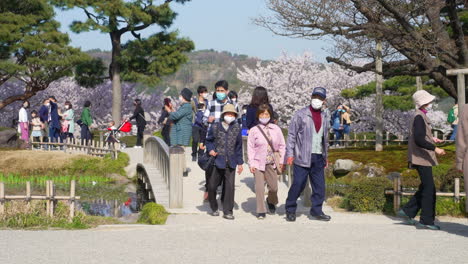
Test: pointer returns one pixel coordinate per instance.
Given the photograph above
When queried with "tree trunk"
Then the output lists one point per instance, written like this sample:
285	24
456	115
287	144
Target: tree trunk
14	98
379	99
114	73
419	84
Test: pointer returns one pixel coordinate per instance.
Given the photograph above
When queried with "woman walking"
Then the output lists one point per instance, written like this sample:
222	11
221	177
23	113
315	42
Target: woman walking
264	141
422	156
182	118
23	122
259	97
165	121
139	115
86	120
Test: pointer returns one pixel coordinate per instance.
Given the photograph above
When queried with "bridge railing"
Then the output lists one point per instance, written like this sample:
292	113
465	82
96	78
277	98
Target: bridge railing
170	161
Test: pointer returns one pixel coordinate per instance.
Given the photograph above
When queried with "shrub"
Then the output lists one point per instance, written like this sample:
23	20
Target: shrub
153	214
447	206
367	195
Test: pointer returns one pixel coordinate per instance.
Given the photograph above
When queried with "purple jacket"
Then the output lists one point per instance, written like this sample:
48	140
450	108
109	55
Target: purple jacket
299	144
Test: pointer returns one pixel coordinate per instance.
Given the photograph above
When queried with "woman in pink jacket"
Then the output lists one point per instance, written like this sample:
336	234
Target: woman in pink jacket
262	159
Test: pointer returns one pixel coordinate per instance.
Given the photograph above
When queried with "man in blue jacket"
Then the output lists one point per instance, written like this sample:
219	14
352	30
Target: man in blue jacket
307	150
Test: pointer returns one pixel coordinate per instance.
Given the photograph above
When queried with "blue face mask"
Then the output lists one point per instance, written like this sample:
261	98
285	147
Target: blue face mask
221	96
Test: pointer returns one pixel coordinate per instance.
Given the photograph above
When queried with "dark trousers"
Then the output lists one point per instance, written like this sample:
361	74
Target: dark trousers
195	140
54	134
338	136
424	199
85	134
166	133
228	175
140	130
317	182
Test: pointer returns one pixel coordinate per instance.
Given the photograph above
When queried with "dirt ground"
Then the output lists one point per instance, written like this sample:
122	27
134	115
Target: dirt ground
24	161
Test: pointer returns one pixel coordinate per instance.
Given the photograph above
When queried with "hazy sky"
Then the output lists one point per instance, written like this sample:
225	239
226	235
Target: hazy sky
223	25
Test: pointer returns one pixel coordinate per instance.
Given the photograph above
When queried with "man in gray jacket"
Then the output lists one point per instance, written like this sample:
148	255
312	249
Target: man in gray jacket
307	149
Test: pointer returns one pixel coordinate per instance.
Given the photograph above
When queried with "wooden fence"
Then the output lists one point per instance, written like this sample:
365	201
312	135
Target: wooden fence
398	193
77	146
50	197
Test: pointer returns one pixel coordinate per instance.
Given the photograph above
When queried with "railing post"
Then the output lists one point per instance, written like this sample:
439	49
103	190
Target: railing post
396	193
176	170
457	190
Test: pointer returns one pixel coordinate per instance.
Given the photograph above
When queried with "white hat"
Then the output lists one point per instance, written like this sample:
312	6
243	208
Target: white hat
422	97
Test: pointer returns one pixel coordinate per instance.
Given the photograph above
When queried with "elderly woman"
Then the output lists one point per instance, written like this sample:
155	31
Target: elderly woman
264	140
422	157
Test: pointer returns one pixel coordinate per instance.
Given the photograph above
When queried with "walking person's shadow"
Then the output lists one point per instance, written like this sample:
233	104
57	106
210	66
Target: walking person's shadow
449	227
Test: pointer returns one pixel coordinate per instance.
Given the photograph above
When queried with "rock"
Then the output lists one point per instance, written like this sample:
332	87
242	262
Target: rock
373	170
344	166
119	179
131	188
9	139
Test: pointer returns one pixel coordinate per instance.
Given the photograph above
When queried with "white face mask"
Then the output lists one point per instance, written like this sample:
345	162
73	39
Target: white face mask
205	95
316	104
181	99
229	119
67	107
429	107
264	121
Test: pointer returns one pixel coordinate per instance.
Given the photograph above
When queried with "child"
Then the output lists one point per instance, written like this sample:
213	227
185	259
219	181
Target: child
37	126
111	138
202	145
224	141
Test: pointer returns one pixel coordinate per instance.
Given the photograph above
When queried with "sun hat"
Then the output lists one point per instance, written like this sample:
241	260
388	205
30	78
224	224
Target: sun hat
422	97
229	108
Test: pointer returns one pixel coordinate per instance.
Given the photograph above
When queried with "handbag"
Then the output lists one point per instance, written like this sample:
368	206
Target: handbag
276	154
205	160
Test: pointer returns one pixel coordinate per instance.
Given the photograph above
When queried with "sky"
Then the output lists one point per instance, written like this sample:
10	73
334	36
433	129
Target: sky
222	25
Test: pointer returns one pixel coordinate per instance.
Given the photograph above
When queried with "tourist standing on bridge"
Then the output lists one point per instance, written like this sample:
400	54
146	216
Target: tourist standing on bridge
165	121
139	115
422	156
307	150
198	128
224	141
266	149
182	129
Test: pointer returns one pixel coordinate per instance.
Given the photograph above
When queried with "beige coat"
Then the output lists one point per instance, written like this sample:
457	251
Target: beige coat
417	155
462	145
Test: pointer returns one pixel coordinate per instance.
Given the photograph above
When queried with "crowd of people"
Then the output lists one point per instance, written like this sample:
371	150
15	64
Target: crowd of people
216	127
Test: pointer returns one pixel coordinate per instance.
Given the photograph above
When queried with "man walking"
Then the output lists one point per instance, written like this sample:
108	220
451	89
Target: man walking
202	92
307	149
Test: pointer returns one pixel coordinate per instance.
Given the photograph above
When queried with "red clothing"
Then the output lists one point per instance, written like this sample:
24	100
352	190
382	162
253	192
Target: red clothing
317	118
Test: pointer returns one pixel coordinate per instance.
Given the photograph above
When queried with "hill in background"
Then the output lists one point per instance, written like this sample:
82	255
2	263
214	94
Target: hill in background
205	67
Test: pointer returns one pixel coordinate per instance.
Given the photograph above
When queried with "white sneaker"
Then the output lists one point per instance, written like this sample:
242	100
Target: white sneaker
137	147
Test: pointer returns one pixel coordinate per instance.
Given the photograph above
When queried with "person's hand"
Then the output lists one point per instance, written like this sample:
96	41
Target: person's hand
213	153
440	151
326	164
282	167
436	140
252	170
202	147
240	168
290	160
211	119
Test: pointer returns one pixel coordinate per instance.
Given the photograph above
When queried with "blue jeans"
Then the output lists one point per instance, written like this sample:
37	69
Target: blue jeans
338	136
316	174
454	133
54	134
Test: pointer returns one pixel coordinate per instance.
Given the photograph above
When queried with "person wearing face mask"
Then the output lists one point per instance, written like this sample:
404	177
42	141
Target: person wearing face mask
263	142
44	116
245	129
259	97
307	150
224	141
422	151
139	115
182	118
68	125
197	127
23	122
216	106
233	96
54	120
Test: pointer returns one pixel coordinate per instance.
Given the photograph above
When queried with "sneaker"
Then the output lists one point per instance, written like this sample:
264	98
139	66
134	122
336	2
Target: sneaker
322	217
228	216
215	213
261	216
430	227
290	217
137	147
407	220
271	207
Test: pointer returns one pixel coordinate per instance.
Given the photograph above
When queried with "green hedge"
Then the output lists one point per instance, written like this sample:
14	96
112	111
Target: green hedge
153	214
367	195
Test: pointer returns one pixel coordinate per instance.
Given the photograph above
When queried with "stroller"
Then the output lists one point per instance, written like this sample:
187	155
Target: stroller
114	135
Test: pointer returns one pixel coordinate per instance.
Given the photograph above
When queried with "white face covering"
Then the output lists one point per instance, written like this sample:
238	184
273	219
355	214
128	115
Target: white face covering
205	95
429	107
181	99
229	119
67	107
316	104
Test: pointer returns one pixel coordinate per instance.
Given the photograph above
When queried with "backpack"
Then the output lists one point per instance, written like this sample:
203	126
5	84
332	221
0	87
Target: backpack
451	116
